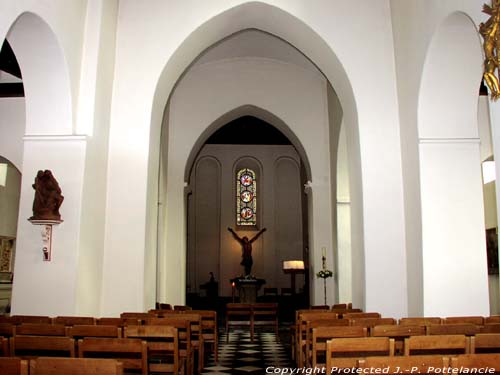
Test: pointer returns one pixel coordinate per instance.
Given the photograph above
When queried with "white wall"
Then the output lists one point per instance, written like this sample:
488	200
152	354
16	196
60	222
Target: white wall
12	122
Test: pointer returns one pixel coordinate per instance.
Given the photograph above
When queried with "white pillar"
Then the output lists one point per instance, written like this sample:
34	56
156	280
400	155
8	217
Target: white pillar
40	287
453	239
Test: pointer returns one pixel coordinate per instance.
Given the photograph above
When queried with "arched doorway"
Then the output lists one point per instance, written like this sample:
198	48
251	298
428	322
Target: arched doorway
258	84
278	205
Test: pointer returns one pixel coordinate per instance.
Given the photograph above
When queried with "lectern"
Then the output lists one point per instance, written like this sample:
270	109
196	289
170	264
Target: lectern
293	267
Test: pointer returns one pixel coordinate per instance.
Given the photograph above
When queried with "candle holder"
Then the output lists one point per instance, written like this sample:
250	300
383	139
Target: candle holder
324	274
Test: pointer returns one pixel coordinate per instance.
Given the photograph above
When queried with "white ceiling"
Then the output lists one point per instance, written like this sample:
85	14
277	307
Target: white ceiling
254	43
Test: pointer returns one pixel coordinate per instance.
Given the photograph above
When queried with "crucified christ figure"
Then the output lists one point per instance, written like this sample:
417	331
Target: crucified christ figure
246	256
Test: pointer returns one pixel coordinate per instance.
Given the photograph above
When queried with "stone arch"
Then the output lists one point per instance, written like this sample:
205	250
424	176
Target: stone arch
254	111
281	24
45	76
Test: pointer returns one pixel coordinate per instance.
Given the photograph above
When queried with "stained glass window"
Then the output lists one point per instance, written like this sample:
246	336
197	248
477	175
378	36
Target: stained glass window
246	197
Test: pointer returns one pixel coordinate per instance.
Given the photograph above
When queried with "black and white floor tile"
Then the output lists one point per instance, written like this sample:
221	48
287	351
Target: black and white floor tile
241	356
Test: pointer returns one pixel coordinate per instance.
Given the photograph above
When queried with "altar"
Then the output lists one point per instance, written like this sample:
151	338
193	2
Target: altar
247	288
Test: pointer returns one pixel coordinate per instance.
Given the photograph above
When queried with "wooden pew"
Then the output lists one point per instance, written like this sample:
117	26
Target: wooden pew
131	352
494	319
238	315
4	347
453	329
74	320
477	361
40	329
209	330
345	353
82	331
398	333
316	352
485	343
183	326
421	321
75	366
47	346
439	344
265	314
163	347
477	320
20	319
490	328
414	364
358	315
13	366
300	336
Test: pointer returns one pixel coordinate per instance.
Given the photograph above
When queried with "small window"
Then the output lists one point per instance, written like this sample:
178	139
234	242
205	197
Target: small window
246	197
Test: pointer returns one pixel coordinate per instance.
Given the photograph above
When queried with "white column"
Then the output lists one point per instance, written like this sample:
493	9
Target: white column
453	239
40	287
320	229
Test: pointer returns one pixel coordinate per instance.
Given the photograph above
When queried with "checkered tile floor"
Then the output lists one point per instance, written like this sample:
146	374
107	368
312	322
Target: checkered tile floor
242	357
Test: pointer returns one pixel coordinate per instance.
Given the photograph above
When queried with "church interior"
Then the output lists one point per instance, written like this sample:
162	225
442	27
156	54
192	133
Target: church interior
254	159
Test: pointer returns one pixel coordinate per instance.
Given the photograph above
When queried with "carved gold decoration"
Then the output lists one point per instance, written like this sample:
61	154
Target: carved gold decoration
490	31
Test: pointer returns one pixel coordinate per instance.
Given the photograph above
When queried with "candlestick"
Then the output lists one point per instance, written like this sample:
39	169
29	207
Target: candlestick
323	251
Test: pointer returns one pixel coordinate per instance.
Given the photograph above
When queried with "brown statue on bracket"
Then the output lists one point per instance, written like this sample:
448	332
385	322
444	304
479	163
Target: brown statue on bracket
48	197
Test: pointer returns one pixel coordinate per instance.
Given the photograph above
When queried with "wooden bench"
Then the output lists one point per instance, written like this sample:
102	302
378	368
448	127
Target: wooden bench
36	346
422	321
397	332
163	347
183	326
74	320
439	344
131	352
209	330
485	343
477	320
345	353
20	319
82	331
13	366
316	352
477	361
417	364
238	315
40	329
75	366
453	329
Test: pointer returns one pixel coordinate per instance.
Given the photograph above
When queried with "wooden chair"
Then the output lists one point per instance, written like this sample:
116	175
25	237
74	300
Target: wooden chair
398	333
453	329
358	315
300	336
163	346
345	353
316	352
82	331
13	366
182	307
119	322
74	320
477	320
494	319
20	319
209	330
40	329
305	345
131	352
419	364
7	330
421	321
490	328
439	344
75	366
265	315
197	343
477	361
4	347
46	346
485	343
238	315
183	326
371	322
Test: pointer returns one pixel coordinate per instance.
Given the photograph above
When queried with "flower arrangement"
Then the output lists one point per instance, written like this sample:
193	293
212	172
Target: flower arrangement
324	274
